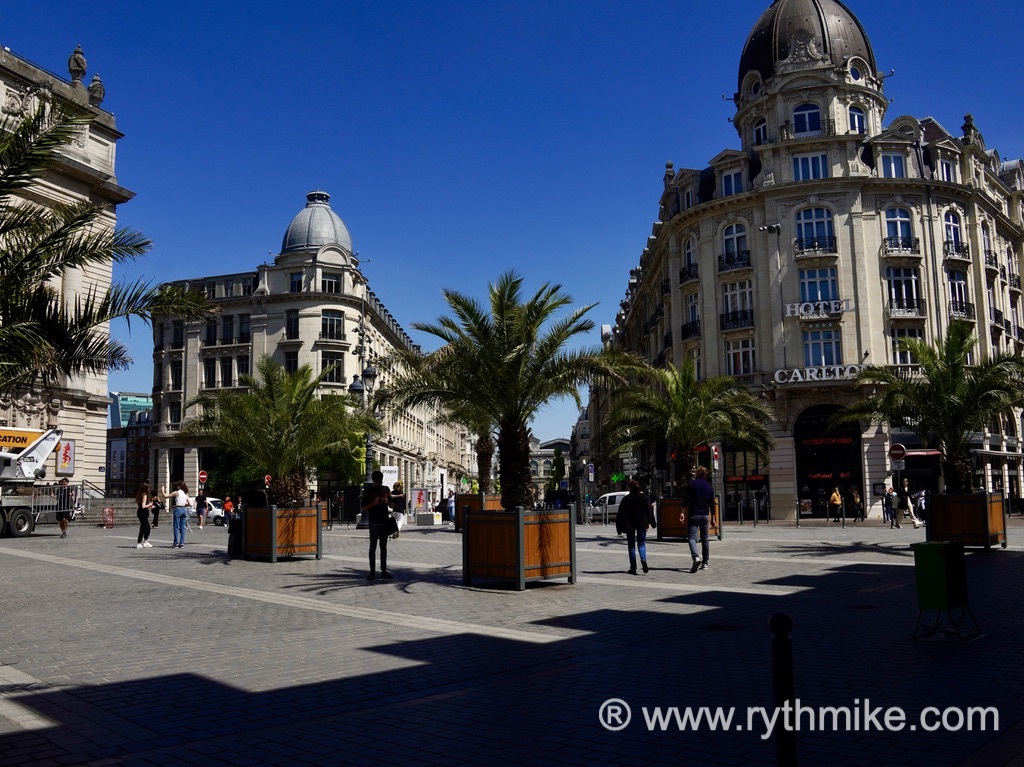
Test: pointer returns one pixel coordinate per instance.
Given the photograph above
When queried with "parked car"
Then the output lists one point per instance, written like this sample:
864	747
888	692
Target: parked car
607	507
214	511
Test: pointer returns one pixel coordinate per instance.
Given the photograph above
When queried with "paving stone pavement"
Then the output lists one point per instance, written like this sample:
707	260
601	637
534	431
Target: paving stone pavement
112	656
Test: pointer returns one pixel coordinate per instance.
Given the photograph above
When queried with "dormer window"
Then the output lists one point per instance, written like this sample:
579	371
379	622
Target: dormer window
858	124
760	132
894	166
807	120
732	183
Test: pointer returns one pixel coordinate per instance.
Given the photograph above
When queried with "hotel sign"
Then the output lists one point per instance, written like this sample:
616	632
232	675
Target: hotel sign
825	373
819	308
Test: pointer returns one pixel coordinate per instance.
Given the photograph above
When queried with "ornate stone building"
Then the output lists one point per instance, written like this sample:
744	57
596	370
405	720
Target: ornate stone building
86	172
311	306
814	247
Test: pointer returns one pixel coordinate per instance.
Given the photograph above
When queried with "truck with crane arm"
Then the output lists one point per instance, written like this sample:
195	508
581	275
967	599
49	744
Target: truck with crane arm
24	502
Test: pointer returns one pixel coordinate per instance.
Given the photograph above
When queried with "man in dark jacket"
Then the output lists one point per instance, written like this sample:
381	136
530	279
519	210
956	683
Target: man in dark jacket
634	517
376	507
701	497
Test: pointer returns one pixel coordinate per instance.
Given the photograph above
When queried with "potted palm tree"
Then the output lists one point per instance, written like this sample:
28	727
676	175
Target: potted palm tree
671	407
281	428
498	365
947	398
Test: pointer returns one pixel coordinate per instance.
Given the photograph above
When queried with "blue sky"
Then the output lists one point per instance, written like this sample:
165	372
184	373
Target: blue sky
457	139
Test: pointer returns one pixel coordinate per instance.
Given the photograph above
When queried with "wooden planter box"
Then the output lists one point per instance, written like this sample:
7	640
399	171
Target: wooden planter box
518	546
973	520
279	532
669	525
476	502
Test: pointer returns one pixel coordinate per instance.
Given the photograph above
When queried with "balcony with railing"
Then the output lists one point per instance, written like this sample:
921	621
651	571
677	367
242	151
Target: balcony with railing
1018	333
738	259
1014	280
963	310
687	273
734	320
810	246
954	249
995	317
902	246
690	330
906	307
666	286
991	260
787	132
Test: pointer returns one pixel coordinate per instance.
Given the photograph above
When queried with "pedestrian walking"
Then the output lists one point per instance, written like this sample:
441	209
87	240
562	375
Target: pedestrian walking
635	515
398	505
700	497
65	505
201	507
888	512
856	506
181	502
229	511
376	507
905	506
835	504
145	502
451	506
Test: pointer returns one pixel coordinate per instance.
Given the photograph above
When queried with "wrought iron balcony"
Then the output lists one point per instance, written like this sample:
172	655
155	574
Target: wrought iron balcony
666	286
738	259
814	245
903	245
954	249
690	330
1014	281
991	259
907	307
995	317
787	131
961	309
687	273
741	318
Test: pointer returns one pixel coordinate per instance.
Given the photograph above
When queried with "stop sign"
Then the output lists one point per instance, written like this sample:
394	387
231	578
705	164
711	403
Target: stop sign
897	452
202	476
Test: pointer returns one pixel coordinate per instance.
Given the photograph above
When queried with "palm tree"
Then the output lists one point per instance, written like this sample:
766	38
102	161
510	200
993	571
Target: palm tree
944	398
501	363
45	335
686	413
281	427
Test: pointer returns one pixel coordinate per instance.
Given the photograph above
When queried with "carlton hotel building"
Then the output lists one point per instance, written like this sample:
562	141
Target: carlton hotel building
814	248
311	306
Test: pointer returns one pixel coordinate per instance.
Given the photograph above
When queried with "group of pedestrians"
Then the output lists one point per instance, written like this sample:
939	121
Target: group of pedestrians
636	517
378	504
897	505
180	502
855	506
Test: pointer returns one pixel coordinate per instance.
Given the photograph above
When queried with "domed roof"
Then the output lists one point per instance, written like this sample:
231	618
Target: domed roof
827	24
316	225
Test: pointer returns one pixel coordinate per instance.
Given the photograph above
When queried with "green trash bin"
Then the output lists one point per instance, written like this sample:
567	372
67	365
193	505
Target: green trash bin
941	575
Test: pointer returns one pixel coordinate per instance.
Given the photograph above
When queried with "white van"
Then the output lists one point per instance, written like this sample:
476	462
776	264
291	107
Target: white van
607	506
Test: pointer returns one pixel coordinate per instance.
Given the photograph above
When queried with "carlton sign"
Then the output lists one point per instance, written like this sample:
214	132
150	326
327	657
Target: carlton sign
826	373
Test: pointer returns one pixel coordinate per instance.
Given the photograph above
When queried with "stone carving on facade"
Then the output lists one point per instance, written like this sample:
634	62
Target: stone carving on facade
96	91
76	66
883	201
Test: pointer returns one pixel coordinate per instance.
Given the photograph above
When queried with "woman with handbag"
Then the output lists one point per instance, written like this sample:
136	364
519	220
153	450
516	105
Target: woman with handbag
376	507
398	506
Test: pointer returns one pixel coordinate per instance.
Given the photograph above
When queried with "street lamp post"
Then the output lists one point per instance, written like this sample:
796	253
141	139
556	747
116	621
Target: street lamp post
362	387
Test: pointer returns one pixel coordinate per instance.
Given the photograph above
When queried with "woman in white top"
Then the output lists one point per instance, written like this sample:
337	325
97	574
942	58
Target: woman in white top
180	504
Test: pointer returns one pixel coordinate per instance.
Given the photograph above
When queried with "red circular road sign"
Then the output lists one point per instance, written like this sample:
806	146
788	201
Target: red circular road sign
202	476
266	480
897	452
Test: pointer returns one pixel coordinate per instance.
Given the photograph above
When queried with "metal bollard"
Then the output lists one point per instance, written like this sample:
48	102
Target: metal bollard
783	691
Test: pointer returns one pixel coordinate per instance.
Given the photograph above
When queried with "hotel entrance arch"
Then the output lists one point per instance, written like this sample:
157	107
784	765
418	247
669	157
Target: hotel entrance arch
825	457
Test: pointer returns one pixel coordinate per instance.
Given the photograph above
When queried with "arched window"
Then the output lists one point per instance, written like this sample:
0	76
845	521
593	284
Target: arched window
807	120
760	132
690	252
858	123
952	224
735	238
814	230
898	231
986	239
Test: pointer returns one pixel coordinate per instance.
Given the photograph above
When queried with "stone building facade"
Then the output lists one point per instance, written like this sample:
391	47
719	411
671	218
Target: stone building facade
311	306
813	248
78	405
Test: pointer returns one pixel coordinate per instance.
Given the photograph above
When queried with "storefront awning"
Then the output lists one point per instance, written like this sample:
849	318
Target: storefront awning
1002	453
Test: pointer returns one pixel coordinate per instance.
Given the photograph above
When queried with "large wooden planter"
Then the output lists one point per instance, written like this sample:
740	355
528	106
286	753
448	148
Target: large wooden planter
278	532
476	502
669	525
518	546
973	520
